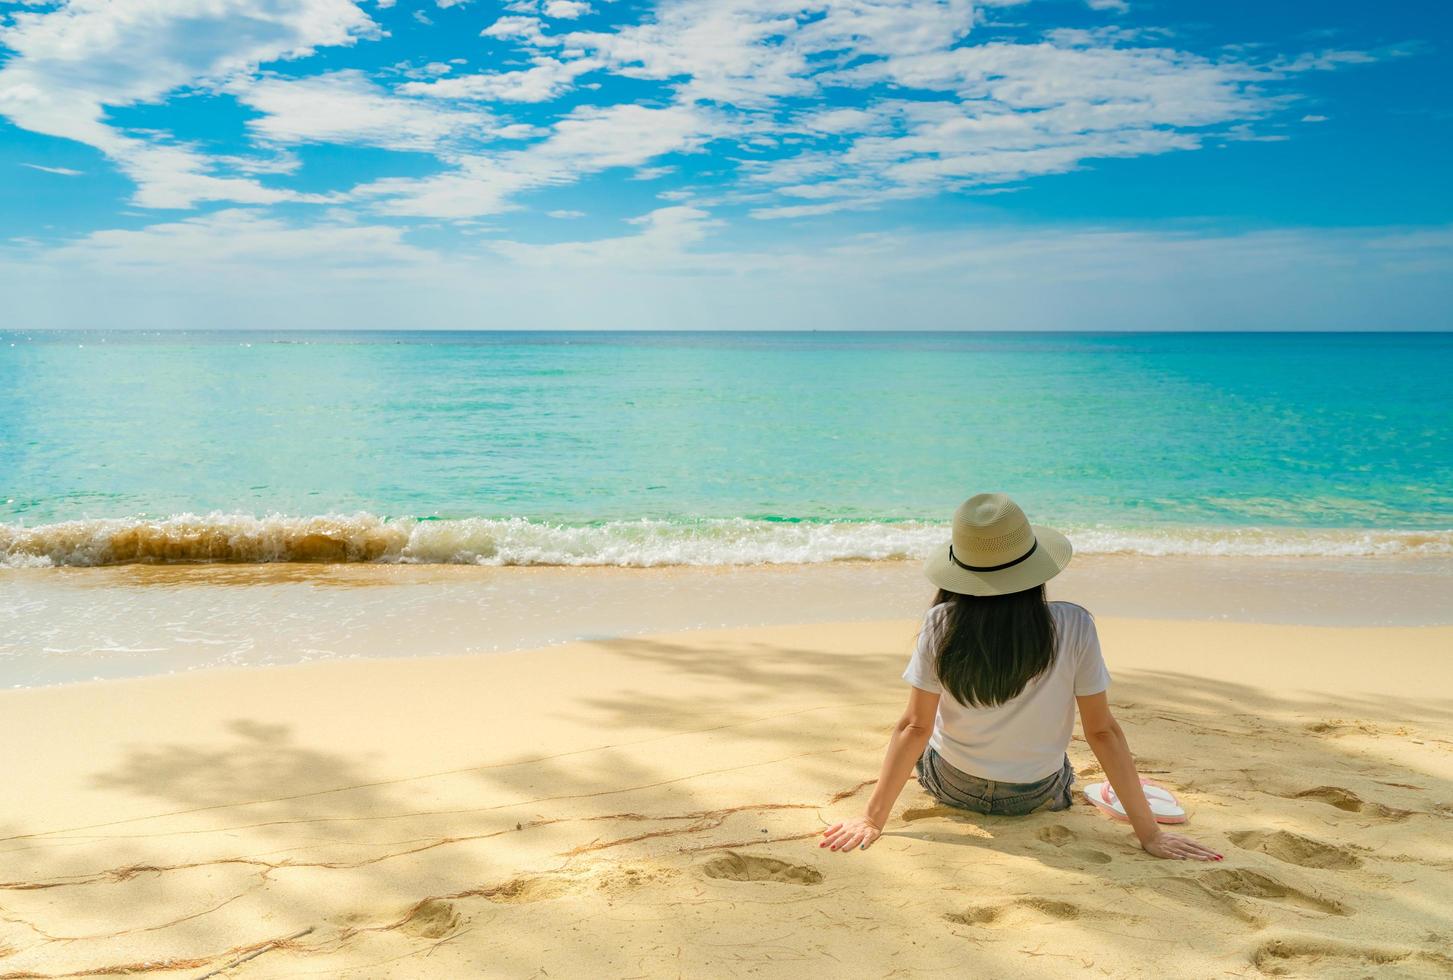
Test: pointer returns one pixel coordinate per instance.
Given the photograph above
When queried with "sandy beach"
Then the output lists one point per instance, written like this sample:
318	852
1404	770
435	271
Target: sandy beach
646	806
473	476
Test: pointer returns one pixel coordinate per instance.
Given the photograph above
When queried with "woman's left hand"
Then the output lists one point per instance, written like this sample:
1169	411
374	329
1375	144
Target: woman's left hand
852	835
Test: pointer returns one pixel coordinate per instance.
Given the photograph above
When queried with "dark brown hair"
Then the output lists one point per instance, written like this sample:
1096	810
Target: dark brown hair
990	647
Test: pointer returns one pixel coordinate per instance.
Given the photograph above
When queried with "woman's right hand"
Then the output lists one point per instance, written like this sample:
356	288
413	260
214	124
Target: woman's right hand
850	835
1174	847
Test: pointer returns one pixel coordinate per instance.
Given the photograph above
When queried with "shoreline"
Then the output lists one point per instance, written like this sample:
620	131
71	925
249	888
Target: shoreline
646	806
68	625
220	537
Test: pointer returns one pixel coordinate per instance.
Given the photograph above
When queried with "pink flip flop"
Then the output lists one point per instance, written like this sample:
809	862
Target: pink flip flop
1163	804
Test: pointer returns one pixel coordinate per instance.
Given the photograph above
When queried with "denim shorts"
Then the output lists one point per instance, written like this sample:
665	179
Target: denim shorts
957	788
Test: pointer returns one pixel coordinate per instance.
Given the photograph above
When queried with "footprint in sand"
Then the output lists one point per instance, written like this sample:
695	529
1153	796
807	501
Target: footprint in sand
1348	802
1342	799
1338	727
519	891
1191	892
433	918
539	888
1021	911
1296	849
1325	958
732	866
1058	835
1221	889
1254	884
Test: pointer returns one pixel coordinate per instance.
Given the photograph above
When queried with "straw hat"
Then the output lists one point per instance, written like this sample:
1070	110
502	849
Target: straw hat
995	550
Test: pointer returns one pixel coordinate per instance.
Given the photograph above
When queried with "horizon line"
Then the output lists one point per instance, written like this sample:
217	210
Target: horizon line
1130	331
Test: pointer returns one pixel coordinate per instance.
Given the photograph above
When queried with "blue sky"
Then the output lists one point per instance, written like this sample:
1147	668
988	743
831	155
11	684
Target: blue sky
1096	164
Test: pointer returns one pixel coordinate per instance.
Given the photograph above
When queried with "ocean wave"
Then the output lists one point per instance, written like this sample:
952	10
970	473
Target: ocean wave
238	538
1259	542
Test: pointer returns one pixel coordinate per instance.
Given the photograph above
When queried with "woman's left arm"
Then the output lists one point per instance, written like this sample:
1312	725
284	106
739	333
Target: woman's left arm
910	737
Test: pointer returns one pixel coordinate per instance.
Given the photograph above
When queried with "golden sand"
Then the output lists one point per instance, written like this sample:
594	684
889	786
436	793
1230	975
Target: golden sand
647	807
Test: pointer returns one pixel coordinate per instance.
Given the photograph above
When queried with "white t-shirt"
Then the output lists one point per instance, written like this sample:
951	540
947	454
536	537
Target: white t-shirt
1022	740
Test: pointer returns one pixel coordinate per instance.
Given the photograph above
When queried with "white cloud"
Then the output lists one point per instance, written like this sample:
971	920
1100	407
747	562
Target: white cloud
346	107
176	176
547	79
1314	119
520	28
63	171
1114	6
521	131
1003	111
564	213
586	141
565	9
280	161
1015	111
240	238
838	121
729	53
750	52
664	234
1325	60
71	63
914	110
887	28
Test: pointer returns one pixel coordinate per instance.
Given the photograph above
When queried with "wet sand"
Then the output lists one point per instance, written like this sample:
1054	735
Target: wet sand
60	625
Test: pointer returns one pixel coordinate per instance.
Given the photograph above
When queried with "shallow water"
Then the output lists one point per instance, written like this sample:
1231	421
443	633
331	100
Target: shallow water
679	448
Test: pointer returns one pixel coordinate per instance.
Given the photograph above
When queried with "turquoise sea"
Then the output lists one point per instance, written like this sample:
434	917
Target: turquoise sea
707	448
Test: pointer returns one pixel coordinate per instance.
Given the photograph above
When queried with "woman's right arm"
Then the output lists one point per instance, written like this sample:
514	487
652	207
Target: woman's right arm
1107	740
910	738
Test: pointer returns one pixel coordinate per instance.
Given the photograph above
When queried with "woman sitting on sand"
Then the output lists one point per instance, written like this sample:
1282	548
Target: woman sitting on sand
1013	666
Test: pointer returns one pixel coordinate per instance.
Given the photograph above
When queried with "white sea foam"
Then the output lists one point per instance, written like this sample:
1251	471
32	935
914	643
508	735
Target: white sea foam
642	543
